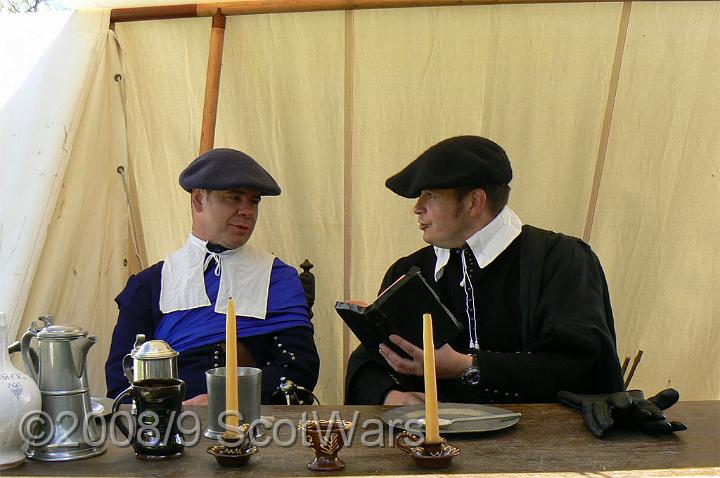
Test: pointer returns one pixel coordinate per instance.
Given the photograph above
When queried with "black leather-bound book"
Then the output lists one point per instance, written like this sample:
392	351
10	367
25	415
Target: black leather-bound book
399	310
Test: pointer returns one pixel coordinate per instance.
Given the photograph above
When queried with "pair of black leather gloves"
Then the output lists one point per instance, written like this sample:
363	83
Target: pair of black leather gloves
628	410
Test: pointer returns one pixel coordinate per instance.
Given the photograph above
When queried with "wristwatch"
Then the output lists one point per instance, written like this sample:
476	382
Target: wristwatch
471	375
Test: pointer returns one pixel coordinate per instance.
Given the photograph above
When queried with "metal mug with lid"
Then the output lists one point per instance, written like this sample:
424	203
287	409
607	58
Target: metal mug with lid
150	359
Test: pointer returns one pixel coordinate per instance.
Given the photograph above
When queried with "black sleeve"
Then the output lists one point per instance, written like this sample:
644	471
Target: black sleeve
295	357
572	346
367	380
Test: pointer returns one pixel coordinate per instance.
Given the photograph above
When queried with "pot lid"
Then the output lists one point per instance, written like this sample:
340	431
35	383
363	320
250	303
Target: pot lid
61	332
153	349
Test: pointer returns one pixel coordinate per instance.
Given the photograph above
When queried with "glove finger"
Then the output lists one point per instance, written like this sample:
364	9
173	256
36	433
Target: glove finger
570	399
652	409
602	413
637	394
591	420
677	426
656	427
665	399
621	400
633	417
577	400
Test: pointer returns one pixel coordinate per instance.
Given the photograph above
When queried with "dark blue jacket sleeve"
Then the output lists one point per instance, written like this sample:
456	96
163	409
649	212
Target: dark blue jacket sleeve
293	353
135	316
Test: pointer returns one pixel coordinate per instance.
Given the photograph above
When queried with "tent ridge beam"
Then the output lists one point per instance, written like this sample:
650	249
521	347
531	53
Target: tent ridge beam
252	7
164	12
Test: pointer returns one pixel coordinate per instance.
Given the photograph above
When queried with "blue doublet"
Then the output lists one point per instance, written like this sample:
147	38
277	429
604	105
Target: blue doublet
282	344
287	307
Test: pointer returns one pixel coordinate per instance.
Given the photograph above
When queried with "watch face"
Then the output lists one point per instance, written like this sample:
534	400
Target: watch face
471	377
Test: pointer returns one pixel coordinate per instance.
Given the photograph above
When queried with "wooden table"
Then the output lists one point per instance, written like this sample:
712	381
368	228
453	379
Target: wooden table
550	439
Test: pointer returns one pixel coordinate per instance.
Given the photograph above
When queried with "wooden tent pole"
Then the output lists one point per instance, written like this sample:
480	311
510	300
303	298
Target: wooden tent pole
251	7
212	82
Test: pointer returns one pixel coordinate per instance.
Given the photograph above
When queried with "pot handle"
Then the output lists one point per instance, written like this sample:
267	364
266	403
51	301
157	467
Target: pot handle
116	407
29	355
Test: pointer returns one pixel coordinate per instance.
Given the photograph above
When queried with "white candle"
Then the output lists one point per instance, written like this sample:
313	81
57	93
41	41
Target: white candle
432	427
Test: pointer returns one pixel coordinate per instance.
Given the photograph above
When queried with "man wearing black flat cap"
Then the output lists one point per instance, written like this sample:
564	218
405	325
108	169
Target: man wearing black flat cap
183	299
534	303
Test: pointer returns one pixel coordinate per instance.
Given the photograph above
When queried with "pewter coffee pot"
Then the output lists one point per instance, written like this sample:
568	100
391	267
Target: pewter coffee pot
151	359
68	431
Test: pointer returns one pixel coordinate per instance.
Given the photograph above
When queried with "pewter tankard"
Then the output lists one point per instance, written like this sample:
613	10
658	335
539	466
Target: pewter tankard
59	366
151	359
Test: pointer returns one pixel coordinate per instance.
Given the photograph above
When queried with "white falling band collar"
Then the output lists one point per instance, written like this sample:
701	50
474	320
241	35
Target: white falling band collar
487	243
244	275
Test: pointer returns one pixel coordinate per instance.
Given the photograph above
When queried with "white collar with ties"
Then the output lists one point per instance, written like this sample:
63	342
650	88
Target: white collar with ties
244	275
487	243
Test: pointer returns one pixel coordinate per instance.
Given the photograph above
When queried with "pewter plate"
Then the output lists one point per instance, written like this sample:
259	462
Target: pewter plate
400	416
102	405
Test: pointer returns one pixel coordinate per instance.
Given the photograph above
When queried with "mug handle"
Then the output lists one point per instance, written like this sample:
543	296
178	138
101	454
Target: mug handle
116	407
402	439
128	367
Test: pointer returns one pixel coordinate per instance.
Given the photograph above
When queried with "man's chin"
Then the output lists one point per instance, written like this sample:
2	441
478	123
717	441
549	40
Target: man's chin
434	241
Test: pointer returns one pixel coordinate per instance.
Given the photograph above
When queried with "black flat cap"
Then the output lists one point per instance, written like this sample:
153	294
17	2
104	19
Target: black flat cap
223	169
462	161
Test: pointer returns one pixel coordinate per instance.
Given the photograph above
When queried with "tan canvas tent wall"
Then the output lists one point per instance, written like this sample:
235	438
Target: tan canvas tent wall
608	112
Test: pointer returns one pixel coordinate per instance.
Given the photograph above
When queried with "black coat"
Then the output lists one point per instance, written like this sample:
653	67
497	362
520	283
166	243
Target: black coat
566	329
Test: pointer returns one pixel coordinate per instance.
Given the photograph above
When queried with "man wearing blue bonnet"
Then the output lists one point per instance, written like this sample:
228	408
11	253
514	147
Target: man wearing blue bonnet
183	299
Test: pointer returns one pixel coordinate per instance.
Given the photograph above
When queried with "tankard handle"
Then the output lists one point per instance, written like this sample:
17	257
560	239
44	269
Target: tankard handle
127	364
116	407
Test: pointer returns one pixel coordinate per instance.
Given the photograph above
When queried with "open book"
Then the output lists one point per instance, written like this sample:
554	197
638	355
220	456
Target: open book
399	310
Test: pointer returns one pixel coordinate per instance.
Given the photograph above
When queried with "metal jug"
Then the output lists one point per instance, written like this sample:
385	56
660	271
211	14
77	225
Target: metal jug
59	366
151	359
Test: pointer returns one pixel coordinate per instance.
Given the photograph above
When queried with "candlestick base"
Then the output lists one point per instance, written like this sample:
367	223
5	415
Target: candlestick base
427	455
235	449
